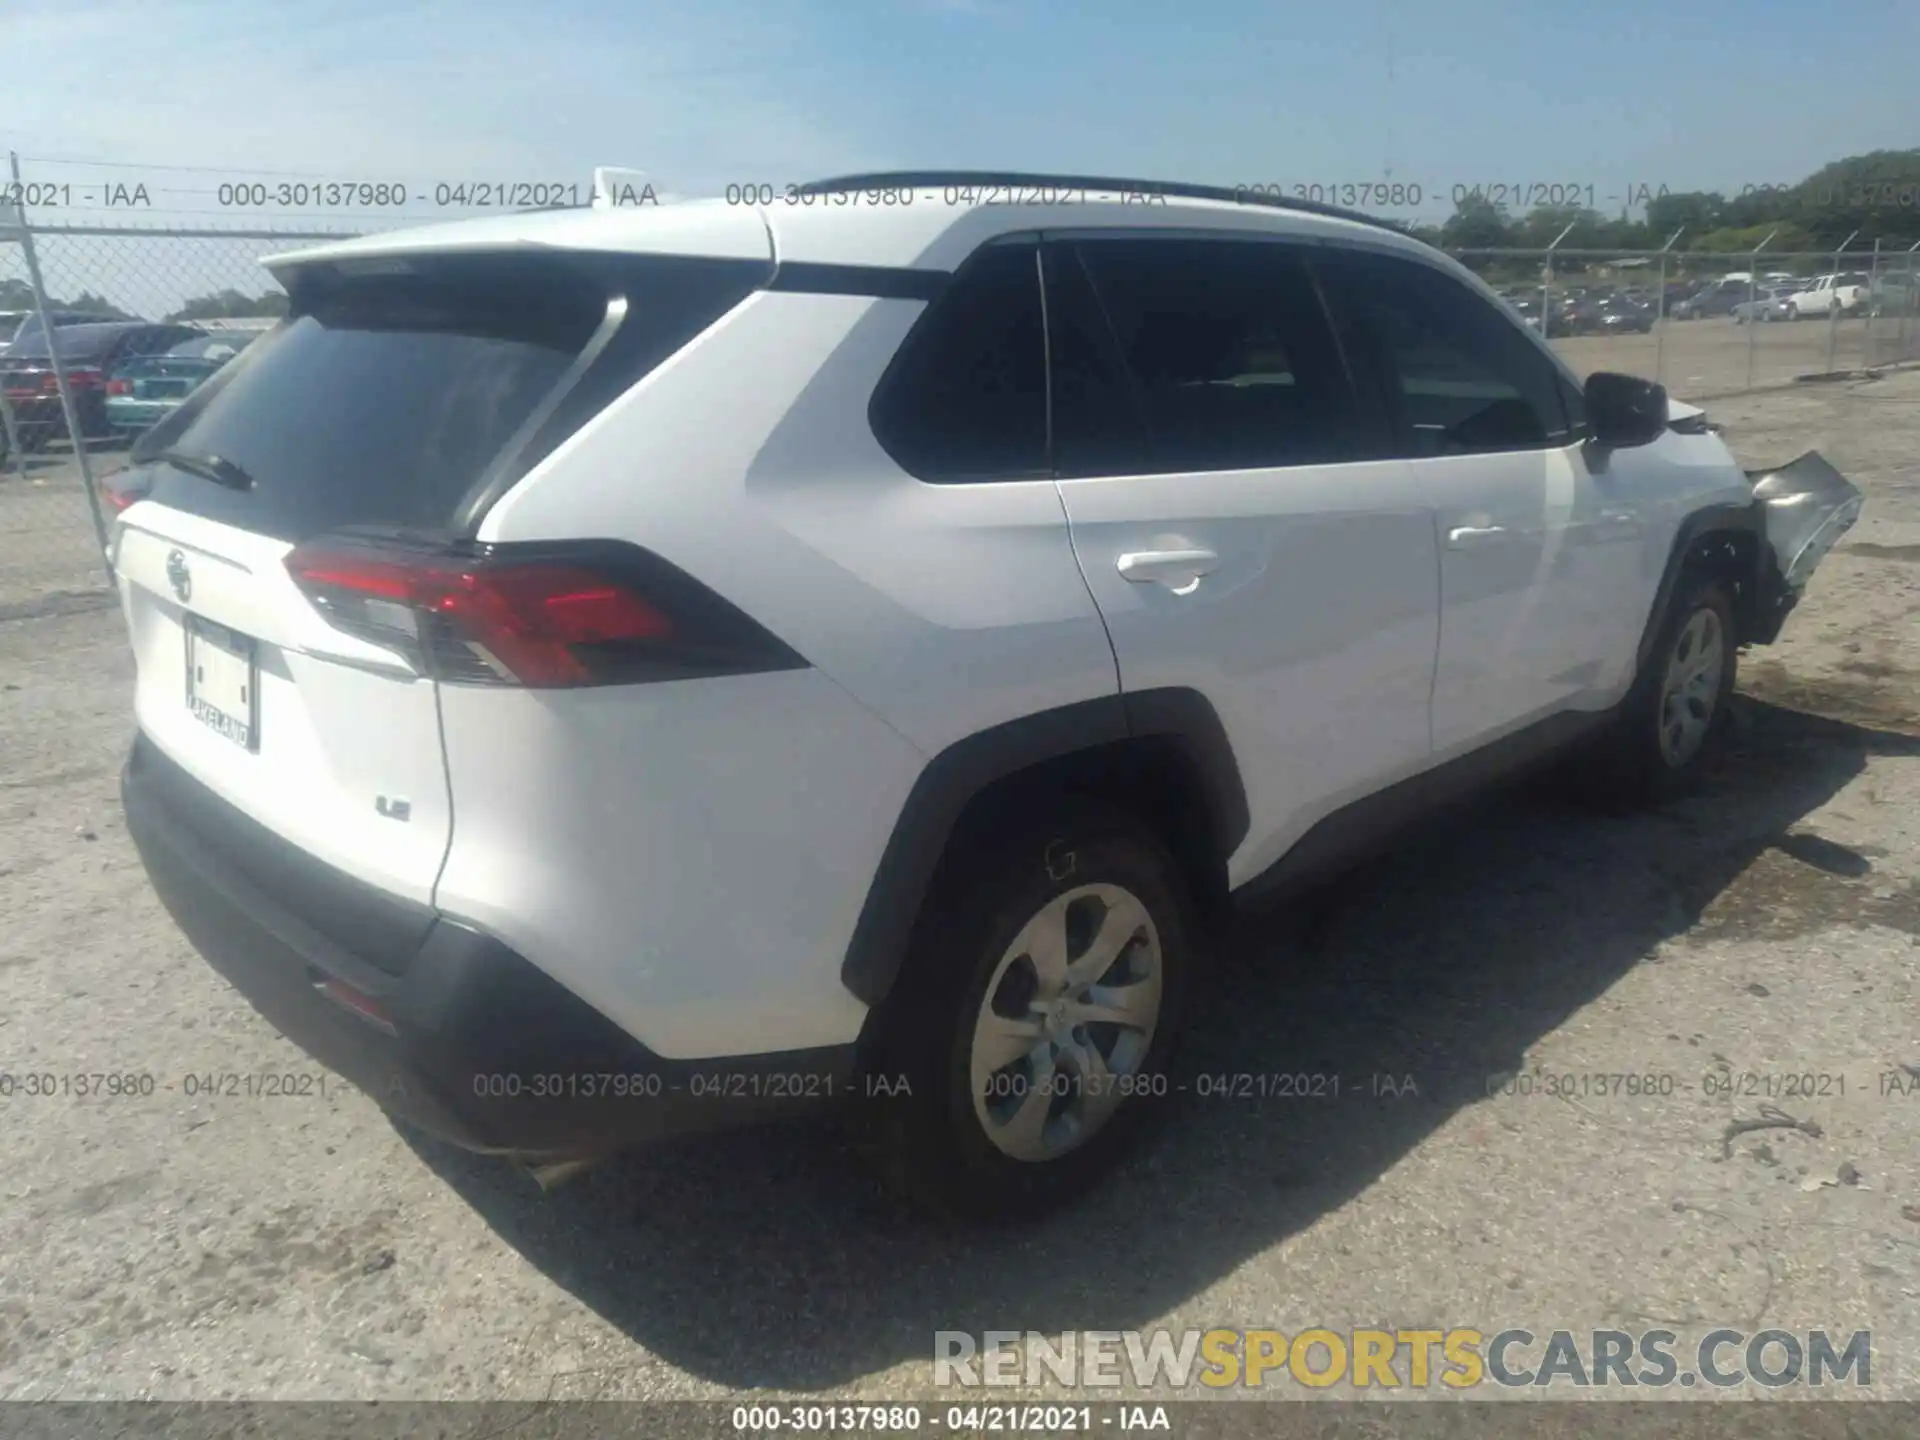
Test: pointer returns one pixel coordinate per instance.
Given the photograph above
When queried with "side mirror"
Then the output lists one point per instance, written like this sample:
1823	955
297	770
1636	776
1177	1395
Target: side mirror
1624	411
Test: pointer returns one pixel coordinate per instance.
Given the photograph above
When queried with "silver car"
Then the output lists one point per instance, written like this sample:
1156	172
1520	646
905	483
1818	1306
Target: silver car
1771	303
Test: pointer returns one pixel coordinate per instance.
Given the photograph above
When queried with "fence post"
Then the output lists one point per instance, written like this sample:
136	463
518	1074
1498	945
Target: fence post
60	374
1873	280
1546	294
1906	309
11	223
1833	310
1753	290
1660	313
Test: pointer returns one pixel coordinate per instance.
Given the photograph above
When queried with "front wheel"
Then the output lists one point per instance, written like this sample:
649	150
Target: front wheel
1663	738
1034	1017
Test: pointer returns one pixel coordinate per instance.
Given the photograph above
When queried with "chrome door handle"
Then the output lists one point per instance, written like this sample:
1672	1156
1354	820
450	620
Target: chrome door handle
1167	566
1466	537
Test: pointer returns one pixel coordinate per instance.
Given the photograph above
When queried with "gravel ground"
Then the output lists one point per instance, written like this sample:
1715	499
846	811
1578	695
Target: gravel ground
191	1248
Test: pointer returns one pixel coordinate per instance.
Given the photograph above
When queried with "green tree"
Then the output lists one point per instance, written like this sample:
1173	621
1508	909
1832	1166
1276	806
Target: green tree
1477	224
230	304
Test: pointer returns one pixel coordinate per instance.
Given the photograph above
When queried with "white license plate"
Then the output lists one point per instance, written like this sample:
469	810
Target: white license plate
223	681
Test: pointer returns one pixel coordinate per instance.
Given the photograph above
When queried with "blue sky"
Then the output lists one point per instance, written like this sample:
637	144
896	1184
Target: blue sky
1709	93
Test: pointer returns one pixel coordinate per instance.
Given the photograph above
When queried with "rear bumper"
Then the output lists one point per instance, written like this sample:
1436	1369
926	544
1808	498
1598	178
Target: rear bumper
125	414
41	410
473	1043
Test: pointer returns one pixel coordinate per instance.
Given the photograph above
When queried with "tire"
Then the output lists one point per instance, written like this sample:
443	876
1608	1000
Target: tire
1667	732
946	1124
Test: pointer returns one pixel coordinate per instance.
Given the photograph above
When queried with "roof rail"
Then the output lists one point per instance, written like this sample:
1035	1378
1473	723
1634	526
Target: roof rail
1236	195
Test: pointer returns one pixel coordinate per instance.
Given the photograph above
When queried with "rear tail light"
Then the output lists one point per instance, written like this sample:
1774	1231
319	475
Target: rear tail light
535	615
117	492
117	386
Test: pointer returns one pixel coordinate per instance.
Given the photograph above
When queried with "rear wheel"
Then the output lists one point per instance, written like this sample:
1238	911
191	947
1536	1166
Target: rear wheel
1035	1015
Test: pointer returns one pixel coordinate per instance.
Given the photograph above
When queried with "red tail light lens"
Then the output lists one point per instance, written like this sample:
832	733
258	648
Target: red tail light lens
537	616
118	386
116	494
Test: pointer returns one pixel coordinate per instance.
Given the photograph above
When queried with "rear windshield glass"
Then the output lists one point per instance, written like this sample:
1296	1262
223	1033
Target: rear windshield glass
385	398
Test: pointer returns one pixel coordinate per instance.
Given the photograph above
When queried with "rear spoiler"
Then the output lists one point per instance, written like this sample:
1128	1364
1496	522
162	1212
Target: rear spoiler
612	186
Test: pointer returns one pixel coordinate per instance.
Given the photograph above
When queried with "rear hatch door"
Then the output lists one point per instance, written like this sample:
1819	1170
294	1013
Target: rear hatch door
380	405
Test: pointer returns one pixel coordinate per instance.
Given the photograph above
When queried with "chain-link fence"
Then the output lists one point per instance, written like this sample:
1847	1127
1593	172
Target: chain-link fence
1708	325
75	392
1705	325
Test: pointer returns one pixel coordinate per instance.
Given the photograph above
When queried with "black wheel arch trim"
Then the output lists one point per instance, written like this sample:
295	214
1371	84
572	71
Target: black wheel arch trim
964	770
1763	606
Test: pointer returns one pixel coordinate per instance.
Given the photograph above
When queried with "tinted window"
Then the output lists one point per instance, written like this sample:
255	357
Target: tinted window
966	398
384	398
1459	376
153	342
1097	428
1228	351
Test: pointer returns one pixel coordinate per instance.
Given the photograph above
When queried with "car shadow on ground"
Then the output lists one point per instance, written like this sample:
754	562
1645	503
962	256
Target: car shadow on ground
56	461
771	1258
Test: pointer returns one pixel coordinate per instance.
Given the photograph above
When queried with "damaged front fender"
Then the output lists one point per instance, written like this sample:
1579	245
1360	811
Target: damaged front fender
1805	507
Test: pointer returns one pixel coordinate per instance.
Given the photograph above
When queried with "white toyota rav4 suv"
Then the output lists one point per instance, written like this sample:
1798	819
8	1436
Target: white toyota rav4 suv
608	672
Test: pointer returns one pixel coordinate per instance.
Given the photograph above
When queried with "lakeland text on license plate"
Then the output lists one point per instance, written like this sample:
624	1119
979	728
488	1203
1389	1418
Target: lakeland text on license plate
223	681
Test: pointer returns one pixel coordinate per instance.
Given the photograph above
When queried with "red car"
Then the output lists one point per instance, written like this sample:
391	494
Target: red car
88	353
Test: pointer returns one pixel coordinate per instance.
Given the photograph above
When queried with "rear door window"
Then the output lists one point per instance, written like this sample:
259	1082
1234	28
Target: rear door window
394	388
1229	353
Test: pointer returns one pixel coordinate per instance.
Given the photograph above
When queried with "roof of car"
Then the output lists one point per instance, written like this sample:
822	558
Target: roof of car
862	220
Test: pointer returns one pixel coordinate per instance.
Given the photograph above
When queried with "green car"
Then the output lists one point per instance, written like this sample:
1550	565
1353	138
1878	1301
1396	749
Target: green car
146	390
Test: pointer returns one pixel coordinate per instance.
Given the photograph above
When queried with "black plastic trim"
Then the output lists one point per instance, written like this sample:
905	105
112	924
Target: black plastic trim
966	768
481	1047
380	930
1761	609
881	282
1363	829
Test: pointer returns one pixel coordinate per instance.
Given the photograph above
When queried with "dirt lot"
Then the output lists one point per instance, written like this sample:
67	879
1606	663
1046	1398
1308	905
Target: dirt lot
195	1248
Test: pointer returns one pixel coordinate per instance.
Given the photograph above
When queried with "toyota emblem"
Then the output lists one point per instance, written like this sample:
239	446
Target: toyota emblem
179	577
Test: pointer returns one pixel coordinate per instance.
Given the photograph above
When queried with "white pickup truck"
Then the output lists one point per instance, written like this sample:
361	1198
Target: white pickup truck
1846	293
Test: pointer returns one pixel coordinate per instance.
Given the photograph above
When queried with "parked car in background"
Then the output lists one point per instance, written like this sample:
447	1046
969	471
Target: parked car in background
146	389
1623	315
1773	303
1895	293
1715	298
19	324
1844	292
89	353
1578	315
